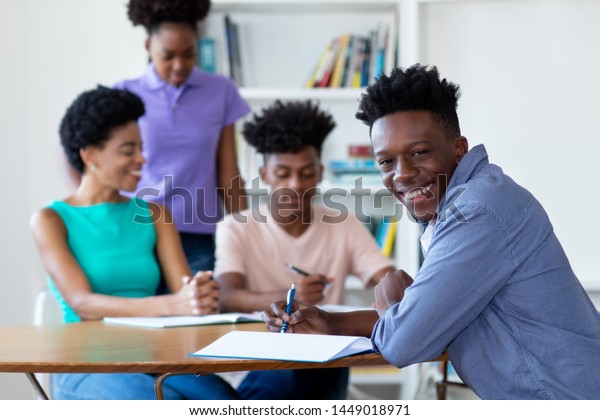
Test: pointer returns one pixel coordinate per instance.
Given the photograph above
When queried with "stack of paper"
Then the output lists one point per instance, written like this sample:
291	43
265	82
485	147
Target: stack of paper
184	321
331	307
291	347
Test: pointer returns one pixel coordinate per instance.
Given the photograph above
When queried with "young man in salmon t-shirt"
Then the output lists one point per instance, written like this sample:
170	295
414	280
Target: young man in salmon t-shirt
253	247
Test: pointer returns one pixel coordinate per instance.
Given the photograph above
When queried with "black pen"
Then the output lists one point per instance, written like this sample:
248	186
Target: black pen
302	272
296	269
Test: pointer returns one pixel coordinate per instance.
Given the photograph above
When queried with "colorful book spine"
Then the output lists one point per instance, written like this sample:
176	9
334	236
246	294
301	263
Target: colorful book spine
229	43
340	62
316	74
325	77
366	59
390	236
381	53
386	235
237	56
207	55
347	60
233	51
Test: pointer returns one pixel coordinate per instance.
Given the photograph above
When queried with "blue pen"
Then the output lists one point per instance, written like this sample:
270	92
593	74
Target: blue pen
288	307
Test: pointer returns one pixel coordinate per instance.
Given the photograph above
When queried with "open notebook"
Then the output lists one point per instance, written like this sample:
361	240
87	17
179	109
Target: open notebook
292	347
184	321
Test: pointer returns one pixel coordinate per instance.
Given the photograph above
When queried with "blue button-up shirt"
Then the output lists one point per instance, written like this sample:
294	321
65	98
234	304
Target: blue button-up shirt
497	291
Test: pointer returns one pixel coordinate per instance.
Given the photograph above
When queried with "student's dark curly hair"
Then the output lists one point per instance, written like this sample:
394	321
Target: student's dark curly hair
417	88
151	13
288	127
91	117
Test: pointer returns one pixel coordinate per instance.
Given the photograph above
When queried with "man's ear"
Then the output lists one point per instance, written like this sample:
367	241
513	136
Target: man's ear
321	169
147	45
461	147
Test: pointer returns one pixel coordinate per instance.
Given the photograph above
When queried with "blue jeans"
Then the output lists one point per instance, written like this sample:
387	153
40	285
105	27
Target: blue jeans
199	251
138	386
301	384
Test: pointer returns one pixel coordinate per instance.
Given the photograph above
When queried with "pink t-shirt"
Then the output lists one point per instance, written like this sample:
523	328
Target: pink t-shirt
259	250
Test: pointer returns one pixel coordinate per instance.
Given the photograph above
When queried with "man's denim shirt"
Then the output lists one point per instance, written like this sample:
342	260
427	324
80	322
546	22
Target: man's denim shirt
497	291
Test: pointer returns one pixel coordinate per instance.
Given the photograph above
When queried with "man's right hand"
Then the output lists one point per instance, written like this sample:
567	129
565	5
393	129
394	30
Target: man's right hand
309	289
390	290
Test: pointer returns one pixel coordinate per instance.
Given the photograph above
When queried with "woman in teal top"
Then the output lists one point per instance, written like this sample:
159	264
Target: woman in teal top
116	255
105	253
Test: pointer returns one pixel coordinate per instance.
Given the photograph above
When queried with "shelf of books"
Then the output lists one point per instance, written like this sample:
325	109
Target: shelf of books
271	94
322	6
294	44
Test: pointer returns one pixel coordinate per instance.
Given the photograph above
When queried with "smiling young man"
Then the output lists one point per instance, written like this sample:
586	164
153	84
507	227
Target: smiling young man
496	289
253	247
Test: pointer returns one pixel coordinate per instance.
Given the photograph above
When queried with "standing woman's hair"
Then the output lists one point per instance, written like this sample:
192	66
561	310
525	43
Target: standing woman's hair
151	13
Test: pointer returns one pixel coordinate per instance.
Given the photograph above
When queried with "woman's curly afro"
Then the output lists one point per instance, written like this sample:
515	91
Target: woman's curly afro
91	117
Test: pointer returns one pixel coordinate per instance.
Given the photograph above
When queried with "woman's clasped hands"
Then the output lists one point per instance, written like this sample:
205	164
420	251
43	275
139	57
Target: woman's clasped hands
199	295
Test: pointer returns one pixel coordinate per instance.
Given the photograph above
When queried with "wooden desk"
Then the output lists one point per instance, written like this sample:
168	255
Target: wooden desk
93	347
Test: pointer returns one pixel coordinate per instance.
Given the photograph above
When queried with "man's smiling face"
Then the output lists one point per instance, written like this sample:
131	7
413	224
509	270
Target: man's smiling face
417	158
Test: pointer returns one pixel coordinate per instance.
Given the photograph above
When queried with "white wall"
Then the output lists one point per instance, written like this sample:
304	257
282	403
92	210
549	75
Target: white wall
16	248
51	51
528	70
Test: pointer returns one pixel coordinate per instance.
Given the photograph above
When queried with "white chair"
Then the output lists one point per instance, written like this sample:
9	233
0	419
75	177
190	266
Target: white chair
46	311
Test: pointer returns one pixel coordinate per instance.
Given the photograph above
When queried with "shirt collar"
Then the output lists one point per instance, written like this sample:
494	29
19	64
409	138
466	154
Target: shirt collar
153	81
468	165
466	168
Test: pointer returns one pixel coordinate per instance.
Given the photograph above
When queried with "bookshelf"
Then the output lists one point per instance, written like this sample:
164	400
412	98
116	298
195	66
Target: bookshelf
280	43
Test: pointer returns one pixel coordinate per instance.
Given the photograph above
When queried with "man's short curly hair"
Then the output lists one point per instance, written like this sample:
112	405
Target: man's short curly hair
151	13
92	116
417	88
288	127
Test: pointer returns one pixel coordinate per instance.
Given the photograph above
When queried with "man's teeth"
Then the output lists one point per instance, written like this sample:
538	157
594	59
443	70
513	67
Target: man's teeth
136	173
418	191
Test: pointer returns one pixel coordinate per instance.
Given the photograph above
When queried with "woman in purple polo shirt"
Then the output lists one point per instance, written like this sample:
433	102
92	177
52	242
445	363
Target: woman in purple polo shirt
188	128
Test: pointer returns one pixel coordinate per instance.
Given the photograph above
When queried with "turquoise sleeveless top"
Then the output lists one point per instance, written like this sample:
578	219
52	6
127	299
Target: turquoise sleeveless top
114	245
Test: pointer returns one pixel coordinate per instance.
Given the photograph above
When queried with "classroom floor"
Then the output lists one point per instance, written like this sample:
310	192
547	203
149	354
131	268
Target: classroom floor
389	383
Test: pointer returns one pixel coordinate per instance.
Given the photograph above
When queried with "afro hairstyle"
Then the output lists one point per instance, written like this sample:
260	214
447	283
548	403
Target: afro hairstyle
151	13
92	116
288	127
417	88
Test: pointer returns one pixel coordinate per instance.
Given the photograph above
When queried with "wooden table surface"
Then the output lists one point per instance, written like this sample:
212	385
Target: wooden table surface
94	347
